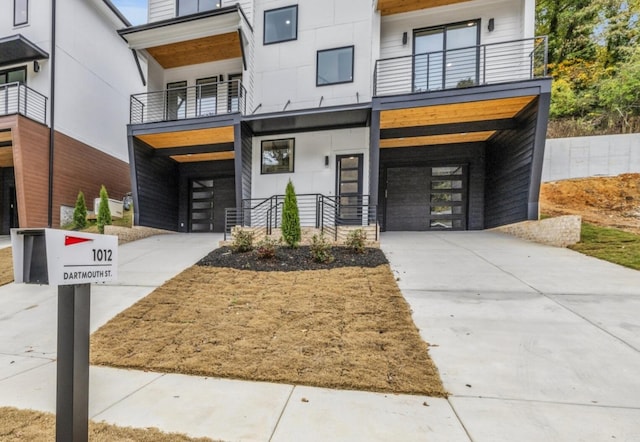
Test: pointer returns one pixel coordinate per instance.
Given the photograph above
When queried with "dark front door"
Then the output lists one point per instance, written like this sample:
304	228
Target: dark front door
209	199
426	198
13	208
349	188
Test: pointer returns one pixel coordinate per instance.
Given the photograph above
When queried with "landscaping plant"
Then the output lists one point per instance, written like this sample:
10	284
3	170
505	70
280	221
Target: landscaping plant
266	248
104	213
321	249
242	241
290	217
80	212
356	240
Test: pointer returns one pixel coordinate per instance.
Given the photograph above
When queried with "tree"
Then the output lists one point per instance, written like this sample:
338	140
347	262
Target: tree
80	212
290	217
104	213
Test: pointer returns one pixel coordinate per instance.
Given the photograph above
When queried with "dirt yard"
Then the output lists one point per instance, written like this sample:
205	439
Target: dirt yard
604	201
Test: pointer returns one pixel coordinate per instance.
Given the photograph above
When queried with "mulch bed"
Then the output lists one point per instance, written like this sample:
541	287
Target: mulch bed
289	260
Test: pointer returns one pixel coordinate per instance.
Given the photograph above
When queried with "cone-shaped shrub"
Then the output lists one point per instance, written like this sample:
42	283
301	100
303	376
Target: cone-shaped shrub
80	212
290	217
104	213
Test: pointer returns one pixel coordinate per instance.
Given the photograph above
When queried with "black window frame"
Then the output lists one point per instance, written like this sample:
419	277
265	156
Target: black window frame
352	47
6	72
198	10
264	23
213	80
15	10
292	150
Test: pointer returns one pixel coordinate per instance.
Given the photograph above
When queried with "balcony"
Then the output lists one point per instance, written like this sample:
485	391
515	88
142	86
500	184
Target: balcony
16	98
203	100
462	67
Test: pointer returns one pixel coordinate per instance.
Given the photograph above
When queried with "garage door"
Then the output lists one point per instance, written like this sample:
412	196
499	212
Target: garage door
426	198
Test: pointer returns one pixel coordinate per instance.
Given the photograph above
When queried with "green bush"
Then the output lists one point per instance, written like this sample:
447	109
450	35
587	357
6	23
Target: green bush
104	213
290	217
266	248
321	249
242	241
356	240
80	212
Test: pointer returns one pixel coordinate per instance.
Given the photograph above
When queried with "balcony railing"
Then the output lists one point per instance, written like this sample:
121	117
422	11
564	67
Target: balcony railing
16	98
203	100
462	67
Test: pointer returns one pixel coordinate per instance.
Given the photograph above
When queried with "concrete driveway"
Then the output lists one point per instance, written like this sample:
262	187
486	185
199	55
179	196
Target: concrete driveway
534	343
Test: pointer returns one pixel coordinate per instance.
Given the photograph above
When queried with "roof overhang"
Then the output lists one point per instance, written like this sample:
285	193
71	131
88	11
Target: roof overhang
389	7
17	49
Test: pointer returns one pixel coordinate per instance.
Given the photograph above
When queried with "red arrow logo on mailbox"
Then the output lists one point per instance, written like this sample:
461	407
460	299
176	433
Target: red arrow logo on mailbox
71	240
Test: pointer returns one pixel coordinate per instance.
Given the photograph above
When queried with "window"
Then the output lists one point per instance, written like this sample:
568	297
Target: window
277	156
234	92
207	93
14	75
186	7
20	12
334	66
281	25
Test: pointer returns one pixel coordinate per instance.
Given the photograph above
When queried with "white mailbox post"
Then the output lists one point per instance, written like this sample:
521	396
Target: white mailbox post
72	261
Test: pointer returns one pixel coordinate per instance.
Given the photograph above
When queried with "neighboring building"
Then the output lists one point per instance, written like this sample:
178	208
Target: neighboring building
423	114
95	73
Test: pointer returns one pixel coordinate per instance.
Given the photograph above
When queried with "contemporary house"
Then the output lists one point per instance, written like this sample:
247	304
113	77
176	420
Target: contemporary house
414	114
64	93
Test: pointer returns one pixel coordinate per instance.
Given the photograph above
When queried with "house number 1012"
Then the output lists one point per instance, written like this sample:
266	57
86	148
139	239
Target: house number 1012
102	255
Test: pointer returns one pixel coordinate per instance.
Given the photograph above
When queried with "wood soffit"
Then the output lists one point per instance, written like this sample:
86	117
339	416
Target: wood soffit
187	138
197	157
200	50
433	140
5	136
389	7
6	156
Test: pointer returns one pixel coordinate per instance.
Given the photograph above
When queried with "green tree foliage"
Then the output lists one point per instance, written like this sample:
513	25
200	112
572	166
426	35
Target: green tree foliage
80	212
290	217
104	213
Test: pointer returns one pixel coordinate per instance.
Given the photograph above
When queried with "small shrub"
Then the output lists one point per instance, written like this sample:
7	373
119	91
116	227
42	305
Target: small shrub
321	249
266	248
242	241
80	212
104	213
290	217
356	240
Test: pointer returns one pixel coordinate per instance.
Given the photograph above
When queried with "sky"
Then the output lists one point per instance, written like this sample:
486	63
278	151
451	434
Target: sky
134	10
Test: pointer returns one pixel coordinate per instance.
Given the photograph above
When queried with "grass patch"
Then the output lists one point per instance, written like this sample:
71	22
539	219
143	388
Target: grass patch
6	266
347	328
28	425
613	245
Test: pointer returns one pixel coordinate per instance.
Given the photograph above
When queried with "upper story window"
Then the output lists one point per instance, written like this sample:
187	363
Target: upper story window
281	24
20	12
14	75
334	66
186	7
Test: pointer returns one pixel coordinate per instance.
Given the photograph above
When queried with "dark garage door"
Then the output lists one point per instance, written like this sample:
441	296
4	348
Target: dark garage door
426	198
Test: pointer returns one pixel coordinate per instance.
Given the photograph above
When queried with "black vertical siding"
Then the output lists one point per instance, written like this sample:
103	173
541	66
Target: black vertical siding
453	154
508	172
222	172
6	182
247	148
157	188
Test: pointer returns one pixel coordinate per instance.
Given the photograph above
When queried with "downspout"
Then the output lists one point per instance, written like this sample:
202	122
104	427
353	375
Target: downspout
52	101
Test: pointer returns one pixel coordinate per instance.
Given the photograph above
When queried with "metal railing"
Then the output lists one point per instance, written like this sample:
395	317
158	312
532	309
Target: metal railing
462	67
180	103
17	98
322	212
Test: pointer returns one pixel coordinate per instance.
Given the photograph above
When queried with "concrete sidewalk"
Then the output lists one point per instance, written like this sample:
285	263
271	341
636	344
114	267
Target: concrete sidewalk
534	343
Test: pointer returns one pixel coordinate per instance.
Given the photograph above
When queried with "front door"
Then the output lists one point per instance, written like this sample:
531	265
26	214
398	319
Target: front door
349	188
13	209
202	205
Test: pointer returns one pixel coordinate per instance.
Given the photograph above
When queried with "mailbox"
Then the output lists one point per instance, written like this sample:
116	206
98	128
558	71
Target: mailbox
63	257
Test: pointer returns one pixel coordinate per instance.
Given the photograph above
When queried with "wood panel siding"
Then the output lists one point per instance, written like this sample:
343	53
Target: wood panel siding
7	181
466	112
197	137
198	157
247	149
79	167
157	188
471	154
197	51
222	172
6	156
389	7
509	158
432	140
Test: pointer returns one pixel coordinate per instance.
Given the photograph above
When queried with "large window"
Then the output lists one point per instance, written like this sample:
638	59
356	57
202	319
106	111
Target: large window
14	75
334	66
446	56
277	156
186	7
281	24
20	12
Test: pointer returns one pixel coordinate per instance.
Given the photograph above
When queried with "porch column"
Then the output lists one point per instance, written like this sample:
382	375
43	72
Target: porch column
537	161
374	157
